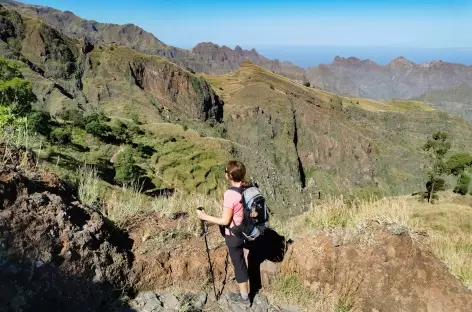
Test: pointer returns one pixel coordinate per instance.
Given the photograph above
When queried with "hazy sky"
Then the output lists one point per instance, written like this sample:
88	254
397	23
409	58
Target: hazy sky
249	23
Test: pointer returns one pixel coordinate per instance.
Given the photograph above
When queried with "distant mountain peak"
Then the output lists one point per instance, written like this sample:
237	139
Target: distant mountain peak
342	61
400	61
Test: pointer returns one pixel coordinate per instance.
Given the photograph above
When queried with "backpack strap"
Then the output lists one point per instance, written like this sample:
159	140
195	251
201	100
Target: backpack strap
240	190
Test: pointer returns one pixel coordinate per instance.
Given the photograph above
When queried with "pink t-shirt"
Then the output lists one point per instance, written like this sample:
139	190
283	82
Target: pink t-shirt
232	200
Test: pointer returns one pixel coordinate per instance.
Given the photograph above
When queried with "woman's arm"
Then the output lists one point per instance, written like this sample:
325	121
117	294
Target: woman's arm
224	220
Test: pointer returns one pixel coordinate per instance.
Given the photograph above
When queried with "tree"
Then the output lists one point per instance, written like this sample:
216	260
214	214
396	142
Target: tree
15	92
126	171
462	186
437	147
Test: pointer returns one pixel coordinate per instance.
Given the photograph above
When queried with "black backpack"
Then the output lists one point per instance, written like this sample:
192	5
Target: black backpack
252	201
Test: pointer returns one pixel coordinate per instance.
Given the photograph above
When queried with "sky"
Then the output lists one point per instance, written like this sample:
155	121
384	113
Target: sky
274	25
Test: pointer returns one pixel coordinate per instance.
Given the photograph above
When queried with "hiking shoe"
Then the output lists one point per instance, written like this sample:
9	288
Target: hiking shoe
235	298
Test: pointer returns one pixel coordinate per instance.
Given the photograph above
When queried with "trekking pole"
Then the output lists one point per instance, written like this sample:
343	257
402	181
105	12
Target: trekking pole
208	254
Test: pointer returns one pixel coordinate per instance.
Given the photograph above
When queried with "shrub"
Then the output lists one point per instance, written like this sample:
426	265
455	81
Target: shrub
306	84
96	124
60	136
462	186
457	163
40	122
126	171
73	115
439	185
120	130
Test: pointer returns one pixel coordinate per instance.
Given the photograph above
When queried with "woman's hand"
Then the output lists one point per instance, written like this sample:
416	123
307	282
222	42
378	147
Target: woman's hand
223	220
201	215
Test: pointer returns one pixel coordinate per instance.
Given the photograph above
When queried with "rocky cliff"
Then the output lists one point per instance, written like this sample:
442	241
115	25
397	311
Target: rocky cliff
67	71
55	253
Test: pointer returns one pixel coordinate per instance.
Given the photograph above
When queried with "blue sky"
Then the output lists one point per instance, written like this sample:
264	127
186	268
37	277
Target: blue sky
298	22
365	23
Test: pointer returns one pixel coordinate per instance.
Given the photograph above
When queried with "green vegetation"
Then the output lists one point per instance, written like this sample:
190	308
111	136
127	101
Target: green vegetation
457	163
462	186
96	124
16	93
153	159
437	146
60	136
126	171
290	288
72	115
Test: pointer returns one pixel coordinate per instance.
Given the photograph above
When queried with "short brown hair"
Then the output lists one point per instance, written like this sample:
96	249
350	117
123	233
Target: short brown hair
236	170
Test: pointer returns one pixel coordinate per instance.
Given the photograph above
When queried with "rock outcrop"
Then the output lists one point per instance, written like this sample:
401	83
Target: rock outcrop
380	268
56	254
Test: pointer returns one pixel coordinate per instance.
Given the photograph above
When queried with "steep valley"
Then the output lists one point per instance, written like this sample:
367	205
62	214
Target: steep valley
300	143
308	141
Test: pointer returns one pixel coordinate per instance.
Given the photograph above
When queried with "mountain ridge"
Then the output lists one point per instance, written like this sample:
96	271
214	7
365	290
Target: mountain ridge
400	78
204	57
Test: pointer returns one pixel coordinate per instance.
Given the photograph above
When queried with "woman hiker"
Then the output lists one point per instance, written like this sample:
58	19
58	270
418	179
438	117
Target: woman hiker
233	212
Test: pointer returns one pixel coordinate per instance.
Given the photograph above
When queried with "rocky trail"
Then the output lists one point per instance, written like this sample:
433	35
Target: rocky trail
57	254
167	302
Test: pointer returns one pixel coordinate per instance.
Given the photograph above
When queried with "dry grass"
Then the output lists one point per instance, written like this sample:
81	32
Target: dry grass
88	185
289	289
122	203
336	213
449	226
